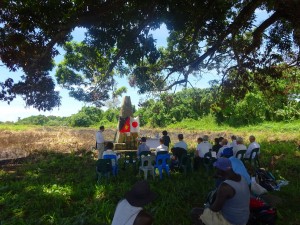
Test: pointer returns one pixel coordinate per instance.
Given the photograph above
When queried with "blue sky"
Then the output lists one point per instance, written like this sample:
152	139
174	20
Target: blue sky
69	106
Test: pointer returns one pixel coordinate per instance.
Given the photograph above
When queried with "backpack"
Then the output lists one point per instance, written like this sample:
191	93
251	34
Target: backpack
261	213
266	179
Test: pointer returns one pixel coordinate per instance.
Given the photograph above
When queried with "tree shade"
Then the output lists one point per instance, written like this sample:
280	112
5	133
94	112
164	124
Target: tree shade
203	35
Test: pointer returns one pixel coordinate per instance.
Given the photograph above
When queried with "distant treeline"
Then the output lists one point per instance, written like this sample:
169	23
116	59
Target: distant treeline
253	108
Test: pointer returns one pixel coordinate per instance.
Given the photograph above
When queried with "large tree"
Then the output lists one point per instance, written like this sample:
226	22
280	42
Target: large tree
203	35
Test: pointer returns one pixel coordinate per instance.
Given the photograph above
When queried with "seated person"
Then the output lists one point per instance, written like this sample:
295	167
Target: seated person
225	145
181	143
109	151
142	147
216	146
231	205
233	141
239	145
161	147
202	148
253	144
130	210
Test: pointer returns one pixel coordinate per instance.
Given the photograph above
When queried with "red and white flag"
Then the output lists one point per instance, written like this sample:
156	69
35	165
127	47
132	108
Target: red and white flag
134	124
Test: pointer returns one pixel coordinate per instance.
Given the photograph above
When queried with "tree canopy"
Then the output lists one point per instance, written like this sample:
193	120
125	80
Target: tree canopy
210	35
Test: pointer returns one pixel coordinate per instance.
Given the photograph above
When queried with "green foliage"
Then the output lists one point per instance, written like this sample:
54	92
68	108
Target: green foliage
62	189
225	36
80	120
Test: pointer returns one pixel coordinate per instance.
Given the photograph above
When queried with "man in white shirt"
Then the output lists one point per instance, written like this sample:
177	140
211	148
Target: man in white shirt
239	145
253	144
161	147
203	147
100	141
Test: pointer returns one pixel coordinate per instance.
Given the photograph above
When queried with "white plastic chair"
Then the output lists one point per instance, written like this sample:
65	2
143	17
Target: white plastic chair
146	166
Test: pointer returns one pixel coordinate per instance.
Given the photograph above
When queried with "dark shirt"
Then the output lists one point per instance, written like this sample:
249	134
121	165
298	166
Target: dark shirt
216	147
167	140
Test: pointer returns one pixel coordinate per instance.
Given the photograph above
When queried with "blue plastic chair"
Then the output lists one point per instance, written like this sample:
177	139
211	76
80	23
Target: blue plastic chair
114	164
162	163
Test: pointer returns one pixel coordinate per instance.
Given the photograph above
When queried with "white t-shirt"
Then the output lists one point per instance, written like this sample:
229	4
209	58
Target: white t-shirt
125	213
162	147
99	137
252	146
237	148
203	148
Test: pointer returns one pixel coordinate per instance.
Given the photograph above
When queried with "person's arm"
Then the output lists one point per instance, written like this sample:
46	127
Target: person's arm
143	218
224	192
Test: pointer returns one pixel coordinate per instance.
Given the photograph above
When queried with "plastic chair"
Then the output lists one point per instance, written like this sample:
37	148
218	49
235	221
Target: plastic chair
227	152
114	163
186	163
162	163
130	158
253	159
146	166
240	154
103	168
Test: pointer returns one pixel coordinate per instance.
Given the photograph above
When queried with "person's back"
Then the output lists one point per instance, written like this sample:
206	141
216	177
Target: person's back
236	209
143	146
253	144
181	143
166	138
129	210
204	147
161	147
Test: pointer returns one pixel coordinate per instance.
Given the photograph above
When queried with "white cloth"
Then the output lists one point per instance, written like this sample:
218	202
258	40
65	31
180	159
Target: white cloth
181	144
210	217
252	146
125	213
237	148
99	137
162	147
203	148
233	143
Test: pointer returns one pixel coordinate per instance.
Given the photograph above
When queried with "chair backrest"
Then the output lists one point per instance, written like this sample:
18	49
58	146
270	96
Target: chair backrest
240	154
227	152
110	157
161	152
103	165
162	160
130	157
145	153
207	158
146	161
254	153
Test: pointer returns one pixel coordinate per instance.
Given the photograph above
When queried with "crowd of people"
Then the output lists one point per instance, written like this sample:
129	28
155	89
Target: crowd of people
232	196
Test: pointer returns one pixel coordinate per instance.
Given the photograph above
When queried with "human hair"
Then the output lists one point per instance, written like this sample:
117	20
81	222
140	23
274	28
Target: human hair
110	145
101	127
205	138
252	138
199	139
143	139
217	140
161	140
240	140
233	137
224	141
180	136
165	132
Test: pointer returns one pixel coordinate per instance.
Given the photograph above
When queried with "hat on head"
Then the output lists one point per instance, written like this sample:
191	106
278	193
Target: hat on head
223	164
140	194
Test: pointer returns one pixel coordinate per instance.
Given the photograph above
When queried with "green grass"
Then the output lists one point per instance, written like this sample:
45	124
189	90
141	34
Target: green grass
54	188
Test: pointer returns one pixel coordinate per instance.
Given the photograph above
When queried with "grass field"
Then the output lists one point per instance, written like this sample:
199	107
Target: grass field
57	185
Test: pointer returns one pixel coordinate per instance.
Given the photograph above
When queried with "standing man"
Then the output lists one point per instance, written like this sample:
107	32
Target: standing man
100	142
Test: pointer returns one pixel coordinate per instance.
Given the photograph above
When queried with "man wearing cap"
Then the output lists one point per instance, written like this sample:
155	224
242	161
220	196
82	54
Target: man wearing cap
231	205
130	210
